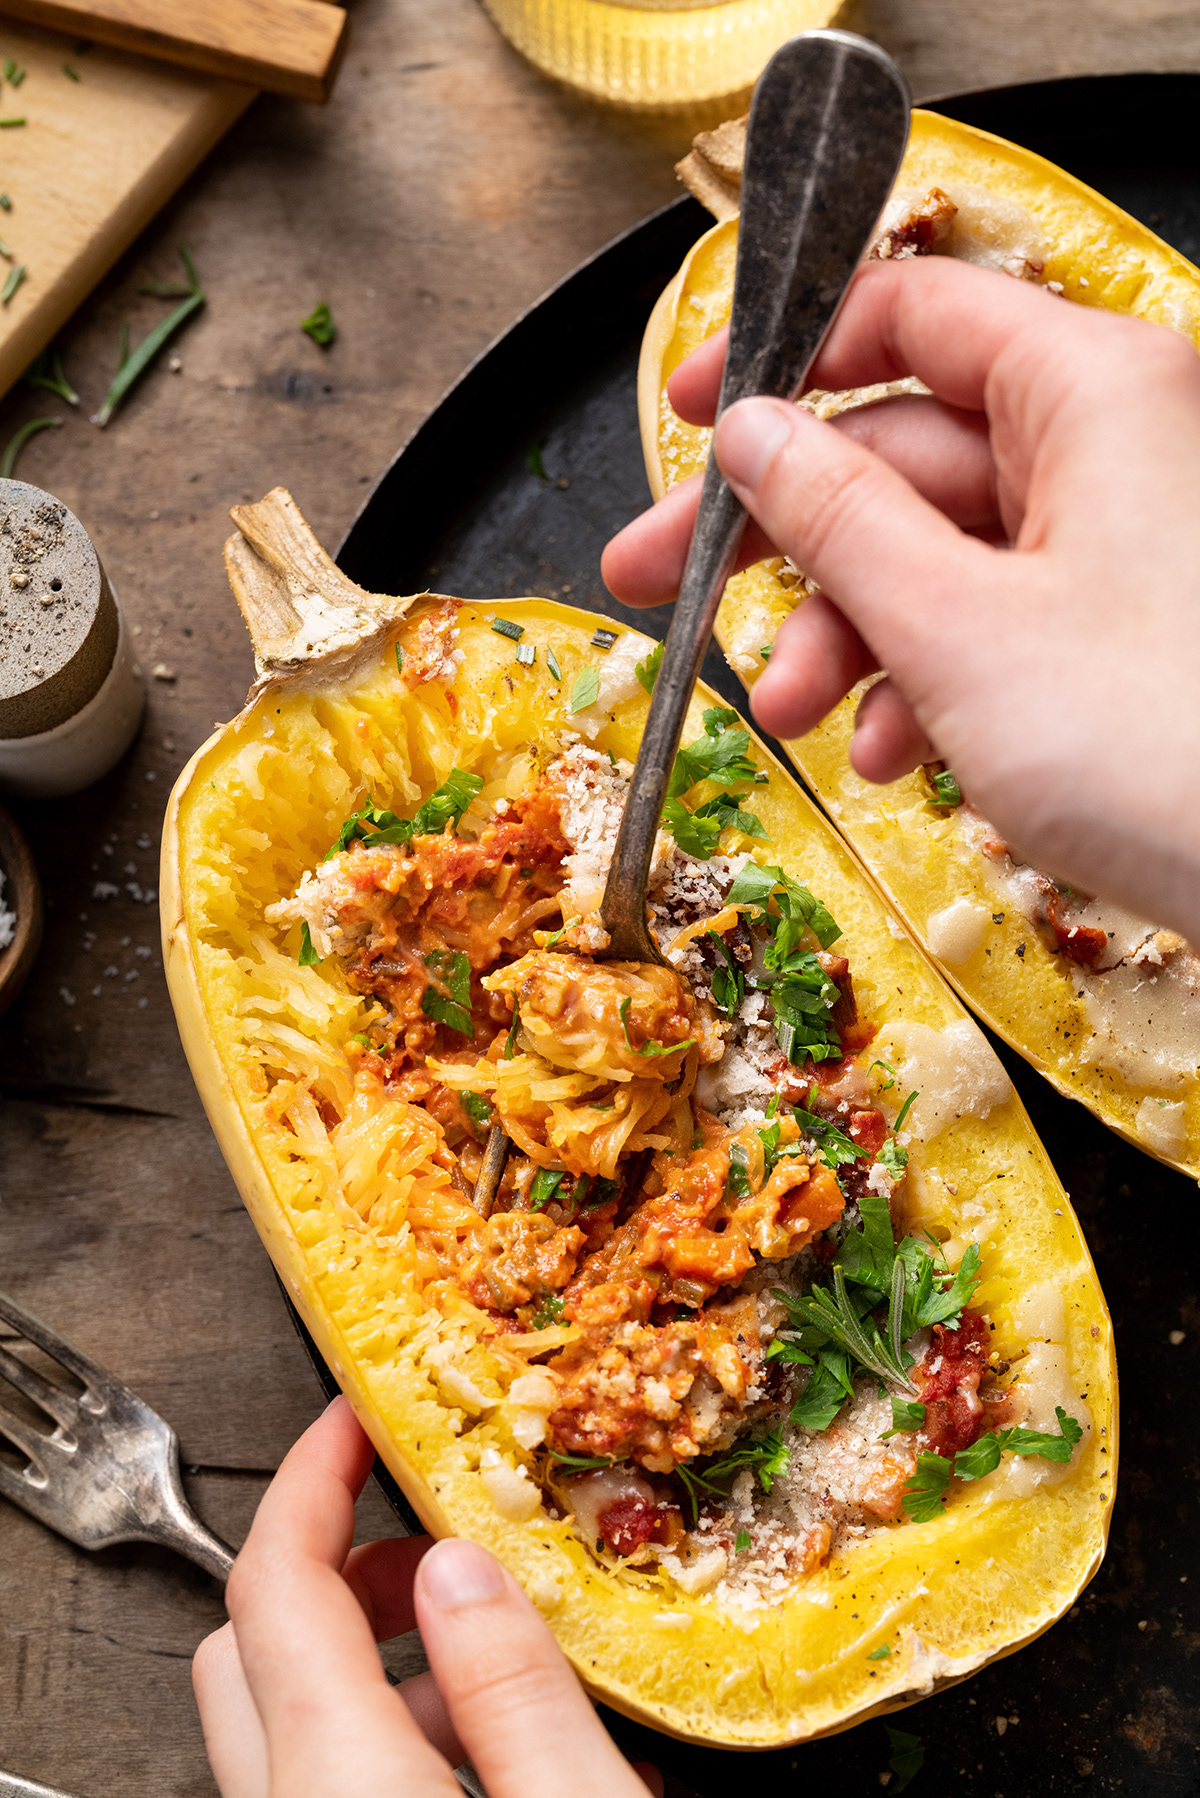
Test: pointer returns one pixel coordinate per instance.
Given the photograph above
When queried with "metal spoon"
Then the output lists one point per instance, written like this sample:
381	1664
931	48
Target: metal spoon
827	132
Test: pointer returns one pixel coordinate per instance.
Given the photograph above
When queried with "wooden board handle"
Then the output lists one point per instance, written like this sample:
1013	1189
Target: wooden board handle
288	47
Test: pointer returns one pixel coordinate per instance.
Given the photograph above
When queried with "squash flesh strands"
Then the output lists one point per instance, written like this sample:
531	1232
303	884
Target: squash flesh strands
269	1042
1075	1029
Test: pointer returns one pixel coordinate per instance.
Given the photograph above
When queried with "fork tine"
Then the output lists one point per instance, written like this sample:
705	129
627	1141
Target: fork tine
57	1347
22	1435
52	1399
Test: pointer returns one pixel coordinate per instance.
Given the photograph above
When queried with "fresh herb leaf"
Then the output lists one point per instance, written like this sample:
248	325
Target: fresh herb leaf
46	371
908	1756
20	438
647	1048
552	664
647	671
798	909
308	957
508	627
132	367
478	1109
946	789
549	1312
907	1415
765	651
790	1353
883	1653
894	1157
904	1110
720	755
15	278
827	1391
399	659
9	124
526	654
944	1303
725	808
319	325
889	1083
534	463
580	1462
510	1041
556	936
741	1542
546	1183
728	982
5	203
924	1496
602	1191
69	72
737	1181
696	836
983	1456
803	998
448	803
838	1316
362	1039
868	1255
449	1000
835	1148
586	690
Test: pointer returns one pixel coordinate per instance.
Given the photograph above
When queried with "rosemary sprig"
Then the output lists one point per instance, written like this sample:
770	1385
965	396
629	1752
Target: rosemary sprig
15	278
46	371
135	363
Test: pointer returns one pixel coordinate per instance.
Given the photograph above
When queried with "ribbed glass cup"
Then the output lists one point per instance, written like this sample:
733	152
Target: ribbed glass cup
656	53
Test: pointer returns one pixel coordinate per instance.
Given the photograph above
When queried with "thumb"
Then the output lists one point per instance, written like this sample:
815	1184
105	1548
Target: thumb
894	565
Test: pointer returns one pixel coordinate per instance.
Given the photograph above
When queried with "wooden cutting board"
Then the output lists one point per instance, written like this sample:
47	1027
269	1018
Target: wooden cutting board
91	165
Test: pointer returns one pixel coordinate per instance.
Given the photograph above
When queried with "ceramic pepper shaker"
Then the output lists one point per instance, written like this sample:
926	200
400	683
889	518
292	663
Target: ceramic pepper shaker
70	699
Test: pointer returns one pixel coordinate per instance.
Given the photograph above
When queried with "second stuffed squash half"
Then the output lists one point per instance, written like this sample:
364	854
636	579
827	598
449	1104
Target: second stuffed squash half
777	1369
1103	1003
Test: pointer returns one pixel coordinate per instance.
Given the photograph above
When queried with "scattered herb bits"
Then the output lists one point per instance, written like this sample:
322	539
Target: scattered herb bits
15	278
534	463
552	664
526	654
319	325
46	371
765	652
8	124
19	439
604	639
399	659
5	203
586	690
647	671
69	72
308	957
133	364
507	627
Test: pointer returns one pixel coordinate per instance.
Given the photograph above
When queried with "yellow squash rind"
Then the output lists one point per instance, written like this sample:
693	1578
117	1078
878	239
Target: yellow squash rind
1101	257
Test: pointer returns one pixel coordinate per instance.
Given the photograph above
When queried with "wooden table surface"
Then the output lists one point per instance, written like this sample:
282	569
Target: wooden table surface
444	188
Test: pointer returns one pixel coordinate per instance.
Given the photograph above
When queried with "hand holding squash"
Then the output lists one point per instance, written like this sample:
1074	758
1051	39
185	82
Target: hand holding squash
1056	675
292	1693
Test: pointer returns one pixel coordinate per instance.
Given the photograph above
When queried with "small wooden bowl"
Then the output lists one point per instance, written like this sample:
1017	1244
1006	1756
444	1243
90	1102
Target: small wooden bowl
23	895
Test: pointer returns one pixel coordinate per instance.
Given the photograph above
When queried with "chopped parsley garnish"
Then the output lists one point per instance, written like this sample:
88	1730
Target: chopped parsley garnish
362	1039
907	1758
946	789
308	957
695	835
319	325
526	654
883	1653
15	275
445	806
552	664
585	691
835	1148
647	671
742	1542
737	1181
549	1312
907	1415
508	627
399	659
580	1462
647	1048
477	1108
720	754
556	936
924	1496
546	1183
894	1157
726	809
449	1001
905	1109
765	651
510	1041
603	639
827	1391
889	1071
728	982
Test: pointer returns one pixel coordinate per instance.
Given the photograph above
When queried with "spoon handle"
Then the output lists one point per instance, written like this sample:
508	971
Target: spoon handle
827	133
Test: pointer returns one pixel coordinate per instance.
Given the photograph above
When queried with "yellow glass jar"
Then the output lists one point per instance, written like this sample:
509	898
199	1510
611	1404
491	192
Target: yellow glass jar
657	52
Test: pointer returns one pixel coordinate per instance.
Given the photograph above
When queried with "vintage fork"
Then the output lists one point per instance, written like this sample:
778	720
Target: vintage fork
108	1472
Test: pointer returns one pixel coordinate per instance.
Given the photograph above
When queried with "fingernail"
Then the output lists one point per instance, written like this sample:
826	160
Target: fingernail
456	1573
749	437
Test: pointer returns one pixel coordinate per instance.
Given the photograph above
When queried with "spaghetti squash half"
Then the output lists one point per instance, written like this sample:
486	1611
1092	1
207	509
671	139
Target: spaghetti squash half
775	1366
1103	1003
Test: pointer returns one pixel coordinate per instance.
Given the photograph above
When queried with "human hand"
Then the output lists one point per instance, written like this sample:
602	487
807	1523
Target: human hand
293	1695
1021	553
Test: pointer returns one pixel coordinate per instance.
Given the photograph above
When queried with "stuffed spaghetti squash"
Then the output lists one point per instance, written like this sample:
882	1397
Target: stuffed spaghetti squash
775	1366
1103	1003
